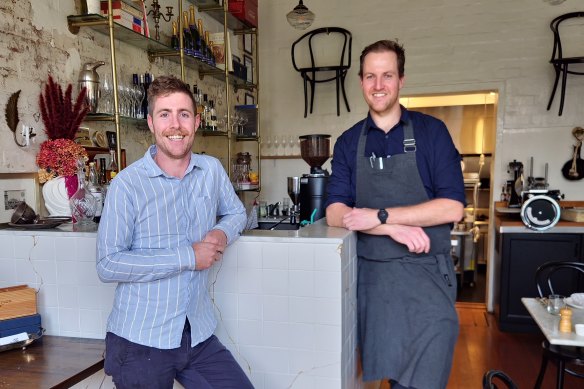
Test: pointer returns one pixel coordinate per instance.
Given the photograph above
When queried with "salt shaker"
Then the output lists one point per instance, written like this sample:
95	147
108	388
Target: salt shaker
566	320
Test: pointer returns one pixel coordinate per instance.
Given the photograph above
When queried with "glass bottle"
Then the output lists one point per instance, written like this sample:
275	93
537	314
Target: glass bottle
202	45
205	116
82	202
212	116
194	33
102	172
94	188
112	169
174	41
187	37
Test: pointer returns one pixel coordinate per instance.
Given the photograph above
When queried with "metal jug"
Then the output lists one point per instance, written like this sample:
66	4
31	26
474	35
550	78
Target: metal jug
88	78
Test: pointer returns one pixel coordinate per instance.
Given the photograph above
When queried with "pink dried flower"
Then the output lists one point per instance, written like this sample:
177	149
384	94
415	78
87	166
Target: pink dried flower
60	156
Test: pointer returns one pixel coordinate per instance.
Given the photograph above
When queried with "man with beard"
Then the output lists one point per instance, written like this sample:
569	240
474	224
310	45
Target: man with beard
396	180
168	217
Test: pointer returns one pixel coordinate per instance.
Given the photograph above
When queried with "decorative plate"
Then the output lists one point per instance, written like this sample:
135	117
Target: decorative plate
41	224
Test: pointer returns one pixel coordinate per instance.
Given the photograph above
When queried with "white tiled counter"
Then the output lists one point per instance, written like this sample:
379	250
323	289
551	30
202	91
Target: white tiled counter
285	300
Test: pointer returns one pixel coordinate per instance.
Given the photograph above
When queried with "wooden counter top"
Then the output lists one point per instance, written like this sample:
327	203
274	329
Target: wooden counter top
51	362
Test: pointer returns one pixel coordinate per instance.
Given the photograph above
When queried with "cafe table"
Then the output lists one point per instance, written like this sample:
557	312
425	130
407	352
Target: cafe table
51	362
549	324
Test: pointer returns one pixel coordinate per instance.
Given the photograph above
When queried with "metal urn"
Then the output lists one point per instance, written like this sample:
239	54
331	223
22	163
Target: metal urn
89	78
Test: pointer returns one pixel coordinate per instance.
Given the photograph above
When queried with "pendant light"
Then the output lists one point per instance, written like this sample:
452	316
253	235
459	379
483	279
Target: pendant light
300	17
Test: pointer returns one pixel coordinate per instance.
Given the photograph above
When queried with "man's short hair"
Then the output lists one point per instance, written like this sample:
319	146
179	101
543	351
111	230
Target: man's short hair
381	46
165	85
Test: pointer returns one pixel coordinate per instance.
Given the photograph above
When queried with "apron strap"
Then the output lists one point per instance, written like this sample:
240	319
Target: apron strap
409	140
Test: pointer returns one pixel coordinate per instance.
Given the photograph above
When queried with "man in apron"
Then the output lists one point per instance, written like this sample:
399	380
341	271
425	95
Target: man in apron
396	180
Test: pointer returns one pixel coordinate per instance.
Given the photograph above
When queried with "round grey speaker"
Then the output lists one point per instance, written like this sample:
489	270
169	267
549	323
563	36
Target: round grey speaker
540	212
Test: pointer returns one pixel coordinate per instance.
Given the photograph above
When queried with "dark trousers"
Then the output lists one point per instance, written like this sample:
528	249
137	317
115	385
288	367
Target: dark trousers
208	365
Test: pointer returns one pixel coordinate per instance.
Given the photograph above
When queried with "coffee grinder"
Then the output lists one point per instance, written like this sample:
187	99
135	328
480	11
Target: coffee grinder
315	151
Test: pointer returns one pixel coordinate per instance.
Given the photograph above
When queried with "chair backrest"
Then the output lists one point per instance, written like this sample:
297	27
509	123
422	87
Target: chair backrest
551	276
492	376
558	51
326	46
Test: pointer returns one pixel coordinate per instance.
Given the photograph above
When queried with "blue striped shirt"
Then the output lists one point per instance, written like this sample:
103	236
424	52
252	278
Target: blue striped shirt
149	222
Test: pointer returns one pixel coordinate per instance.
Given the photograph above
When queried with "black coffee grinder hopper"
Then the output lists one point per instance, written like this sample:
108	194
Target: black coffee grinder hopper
315	151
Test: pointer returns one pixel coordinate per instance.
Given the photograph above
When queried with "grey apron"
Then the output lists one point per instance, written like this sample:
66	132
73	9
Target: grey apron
407	320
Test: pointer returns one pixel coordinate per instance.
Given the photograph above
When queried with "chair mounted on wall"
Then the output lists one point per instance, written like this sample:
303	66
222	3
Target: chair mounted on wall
561	64
323	70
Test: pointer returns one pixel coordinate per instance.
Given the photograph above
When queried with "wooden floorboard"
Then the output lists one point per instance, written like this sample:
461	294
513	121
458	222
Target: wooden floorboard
482	347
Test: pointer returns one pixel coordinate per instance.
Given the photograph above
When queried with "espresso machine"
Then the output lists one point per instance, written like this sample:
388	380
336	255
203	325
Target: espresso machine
315	151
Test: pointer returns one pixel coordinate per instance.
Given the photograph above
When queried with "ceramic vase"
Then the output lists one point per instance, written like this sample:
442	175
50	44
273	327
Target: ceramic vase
56	198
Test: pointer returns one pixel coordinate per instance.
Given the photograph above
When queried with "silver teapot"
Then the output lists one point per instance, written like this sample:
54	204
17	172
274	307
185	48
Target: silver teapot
88	78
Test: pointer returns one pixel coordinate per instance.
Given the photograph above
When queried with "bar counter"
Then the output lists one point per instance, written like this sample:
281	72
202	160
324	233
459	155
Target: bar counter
285	300
506	222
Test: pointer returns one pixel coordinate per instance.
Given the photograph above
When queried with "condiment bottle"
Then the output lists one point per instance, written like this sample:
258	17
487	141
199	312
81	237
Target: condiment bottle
566	320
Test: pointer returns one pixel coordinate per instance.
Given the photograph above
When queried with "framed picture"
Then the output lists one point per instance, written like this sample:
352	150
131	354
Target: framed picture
248	43
248	63
249	99
14	188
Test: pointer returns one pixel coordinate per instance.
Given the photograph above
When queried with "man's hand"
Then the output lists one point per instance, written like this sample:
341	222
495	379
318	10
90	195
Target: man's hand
210	249
361	219
413	237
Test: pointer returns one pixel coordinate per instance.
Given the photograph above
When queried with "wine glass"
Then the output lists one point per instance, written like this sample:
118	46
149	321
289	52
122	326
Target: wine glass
291	144
267	145
105	102
276	145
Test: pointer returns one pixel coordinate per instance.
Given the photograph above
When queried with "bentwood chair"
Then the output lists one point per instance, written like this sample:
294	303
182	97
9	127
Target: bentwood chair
323	55
561	59
493	376
549	278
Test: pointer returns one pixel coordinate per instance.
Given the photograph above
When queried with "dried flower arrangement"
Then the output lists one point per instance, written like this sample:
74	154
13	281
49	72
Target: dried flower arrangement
60	117
59	154
58	157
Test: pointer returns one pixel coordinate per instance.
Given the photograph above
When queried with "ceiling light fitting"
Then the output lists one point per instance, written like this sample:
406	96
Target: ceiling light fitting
300	17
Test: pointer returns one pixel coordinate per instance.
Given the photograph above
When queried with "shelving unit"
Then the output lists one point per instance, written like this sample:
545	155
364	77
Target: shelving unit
155	49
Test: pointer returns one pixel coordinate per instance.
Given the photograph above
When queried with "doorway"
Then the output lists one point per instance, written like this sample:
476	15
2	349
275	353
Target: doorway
471	119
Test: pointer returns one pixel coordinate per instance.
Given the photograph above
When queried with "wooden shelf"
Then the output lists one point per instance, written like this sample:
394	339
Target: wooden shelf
281	157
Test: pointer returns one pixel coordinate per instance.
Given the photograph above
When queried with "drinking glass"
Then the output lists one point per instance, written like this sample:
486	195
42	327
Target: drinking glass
105	101
555	303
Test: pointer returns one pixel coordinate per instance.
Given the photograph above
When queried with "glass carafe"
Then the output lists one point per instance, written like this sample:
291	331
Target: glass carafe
82	203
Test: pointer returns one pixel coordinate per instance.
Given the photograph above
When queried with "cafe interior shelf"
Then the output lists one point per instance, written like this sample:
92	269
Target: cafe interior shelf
153	47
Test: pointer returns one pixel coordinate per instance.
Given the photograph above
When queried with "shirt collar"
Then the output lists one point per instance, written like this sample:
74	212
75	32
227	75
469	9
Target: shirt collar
405	115
152	168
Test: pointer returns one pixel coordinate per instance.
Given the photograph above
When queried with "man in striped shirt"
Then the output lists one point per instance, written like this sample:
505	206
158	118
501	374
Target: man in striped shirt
167	219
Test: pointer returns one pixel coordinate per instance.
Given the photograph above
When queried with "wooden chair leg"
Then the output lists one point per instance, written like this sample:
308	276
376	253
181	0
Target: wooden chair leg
544	362
563	89
305	96
554	88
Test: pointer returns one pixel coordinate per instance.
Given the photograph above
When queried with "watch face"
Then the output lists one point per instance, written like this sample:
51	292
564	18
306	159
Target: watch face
382	215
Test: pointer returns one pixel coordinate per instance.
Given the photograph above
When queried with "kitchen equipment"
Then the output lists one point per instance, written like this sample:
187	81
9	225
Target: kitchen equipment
517	184
294	193
89	79
540	212
315	151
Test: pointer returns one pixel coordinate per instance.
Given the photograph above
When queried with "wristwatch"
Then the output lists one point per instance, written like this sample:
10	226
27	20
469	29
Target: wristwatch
382	215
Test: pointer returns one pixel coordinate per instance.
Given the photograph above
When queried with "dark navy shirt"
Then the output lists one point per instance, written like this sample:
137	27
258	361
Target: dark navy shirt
437	158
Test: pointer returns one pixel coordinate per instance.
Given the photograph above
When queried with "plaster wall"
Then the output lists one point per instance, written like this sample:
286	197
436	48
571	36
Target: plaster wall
451	46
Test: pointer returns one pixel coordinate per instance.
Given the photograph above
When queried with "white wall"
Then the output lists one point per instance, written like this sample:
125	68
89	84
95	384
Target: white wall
451	46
